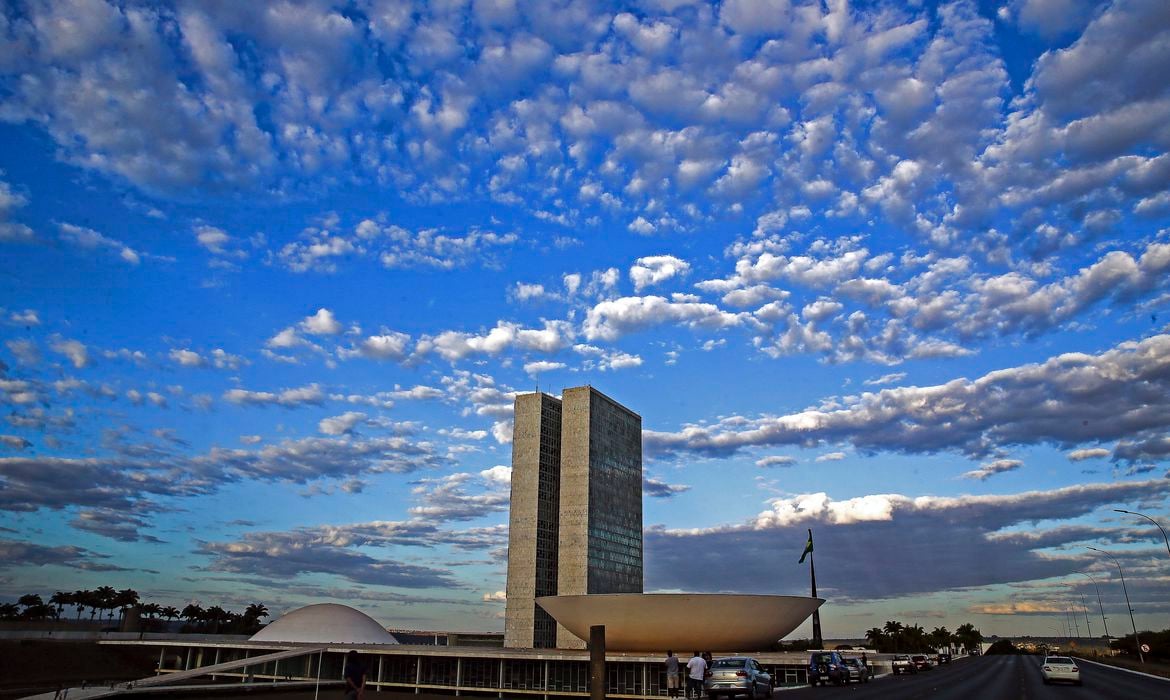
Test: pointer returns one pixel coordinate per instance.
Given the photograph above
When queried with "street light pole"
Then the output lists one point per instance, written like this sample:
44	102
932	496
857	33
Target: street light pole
1155	522
1099	604
1088	627
1136	640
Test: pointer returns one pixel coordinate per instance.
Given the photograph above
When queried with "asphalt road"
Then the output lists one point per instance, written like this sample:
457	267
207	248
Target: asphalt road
993	678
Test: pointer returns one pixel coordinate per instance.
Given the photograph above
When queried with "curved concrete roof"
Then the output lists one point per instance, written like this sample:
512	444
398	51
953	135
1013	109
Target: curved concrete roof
326	623
682	622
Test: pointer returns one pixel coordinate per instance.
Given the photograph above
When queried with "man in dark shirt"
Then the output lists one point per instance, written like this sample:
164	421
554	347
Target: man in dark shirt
355	677
672	675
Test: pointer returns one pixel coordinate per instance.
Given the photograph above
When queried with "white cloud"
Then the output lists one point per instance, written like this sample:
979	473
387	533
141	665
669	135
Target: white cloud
342	424
776	461
1088	453
653	269
187	358
613	319
990	469
1025	405
454	345
499	475
321	323
310	394
389	345
215	240
534	368
10	201
89	239
75	350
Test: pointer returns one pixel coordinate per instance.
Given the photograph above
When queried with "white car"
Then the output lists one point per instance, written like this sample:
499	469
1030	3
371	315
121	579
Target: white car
1060	668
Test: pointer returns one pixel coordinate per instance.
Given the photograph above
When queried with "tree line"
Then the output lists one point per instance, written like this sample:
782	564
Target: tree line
104	601
895	637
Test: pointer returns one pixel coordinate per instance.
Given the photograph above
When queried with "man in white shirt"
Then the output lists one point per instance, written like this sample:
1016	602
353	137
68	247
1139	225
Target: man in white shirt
696	669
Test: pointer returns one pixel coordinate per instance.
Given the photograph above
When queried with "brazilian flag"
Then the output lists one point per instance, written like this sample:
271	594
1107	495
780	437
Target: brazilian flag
808	548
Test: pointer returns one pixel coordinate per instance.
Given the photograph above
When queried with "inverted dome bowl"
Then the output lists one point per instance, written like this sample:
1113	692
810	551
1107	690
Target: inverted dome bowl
682	622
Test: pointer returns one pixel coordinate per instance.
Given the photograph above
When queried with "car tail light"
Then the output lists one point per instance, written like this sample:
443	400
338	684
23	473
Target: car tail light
1075	669
741	674
1047	668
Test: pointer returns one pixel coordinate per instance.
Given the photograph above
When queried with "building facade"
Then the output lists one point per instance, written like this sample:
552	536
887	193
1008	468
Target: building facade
575	522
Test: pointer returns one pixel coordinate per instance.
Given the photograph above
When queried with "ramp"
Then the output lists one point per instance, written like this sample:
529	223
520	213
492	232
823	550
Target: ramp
166	679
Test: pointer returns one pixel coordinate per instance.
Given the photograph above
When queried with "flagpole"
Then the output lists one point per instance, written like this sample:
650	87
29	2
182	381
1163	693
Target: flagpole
818	642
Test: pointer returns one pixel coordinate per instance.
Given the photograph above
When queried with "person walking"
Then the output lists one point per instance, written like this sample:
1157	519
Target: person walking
355	677
672	675
696	670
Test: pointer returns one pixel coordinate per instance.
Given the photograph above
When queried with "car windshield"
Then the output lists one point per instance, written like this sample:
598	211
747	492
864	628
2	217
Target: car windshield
1058	660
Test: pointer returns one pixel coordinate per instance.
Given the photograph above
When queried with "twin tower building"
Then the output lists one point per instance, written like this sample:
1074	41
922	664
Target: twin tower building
575	522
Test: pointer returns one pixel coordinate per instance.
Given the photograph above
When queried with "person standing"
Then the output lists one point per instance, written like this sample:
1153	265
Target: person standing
355	677
672	674
696	670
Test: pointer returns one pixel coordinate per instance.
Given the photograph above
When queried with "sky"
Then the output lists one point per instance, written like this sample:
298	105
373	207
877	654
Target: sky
899	273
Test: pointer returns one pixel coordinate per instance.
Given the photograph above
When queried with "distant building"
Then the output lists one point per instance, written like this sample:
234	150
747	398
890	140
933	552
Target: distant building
575	522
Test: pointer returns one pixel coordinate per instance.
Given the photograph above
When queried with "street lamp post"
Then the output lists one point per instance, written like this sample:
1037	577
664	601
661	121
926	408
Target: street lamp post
1136	640
1088	627
1100	606
1155	522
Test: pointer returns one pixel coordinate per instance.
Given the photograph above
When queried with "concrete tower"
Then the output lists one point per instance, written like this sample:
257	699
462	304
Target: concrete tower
576	509
533	520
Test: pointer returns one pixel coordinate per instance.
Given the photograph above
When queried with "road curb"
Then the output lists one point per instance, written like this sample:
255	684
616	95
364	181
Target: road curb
1119	668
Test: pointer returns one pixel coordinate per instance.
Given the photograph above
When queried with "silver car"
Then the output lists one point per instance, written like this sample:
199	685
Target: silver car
858	673
738	675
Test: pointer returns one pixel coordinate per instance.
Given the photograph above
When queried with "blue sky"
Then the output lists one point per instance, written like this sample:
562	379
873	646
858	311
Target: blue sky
274	273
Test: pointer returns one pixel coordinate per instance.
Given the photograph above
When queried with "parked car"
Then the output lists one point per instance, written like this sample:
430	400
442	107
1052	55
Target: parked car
943	658
921	662
827	667
1060	668
738	675
903	664
858	673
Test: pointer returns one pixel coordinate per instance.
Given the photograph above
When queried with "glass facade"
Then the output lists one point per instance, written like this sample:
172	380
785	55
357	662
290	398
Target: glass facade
615	497
548	509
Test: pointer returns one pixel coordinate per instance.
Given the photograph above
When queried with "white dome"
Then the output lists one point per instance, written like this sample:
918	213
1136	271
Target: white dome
326	623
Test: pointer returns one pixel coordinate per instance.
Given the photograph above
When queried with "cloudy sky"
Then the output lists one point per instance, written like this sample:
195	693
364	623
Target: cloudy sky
896	272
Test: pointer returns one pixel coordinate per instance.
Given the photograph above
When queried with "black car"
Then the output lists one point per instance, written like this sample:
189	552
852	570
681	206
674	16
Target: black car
943	659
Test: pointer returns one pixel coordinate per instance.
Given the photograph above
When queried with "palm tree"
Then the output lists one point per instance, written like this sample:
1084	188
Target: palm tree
30	600
124	599
104	599
61	599
876	637
193	613
80	599
968	636
9	611
151	609
252	615
893	630
914	636
940	638
170	612
215	615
